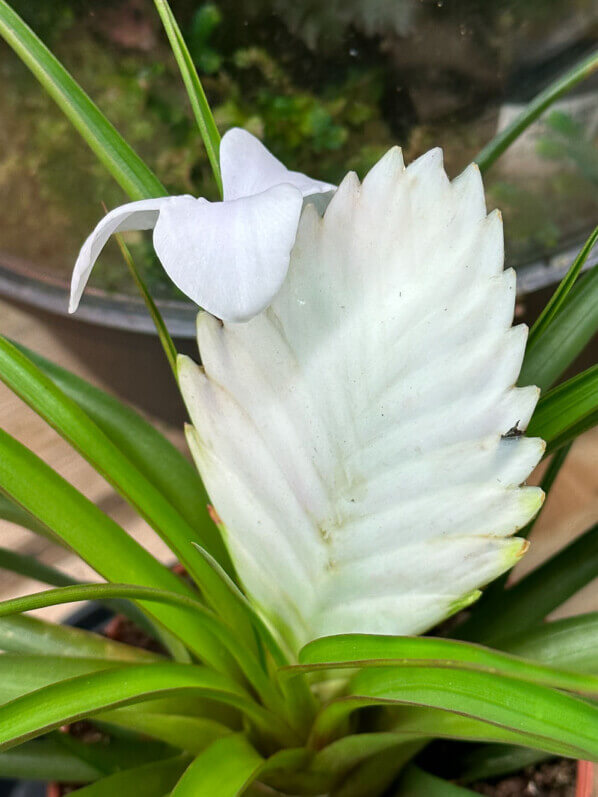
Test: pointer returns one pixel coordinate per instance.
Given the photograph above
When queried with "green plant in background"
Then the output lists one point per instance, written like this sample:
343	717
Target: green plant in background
566	139
255	684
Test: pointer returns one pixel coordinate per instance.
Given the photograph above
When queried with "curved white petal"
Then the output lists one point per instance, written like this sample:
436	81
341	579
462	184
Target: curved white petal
141	215
350	436
249	168
229	257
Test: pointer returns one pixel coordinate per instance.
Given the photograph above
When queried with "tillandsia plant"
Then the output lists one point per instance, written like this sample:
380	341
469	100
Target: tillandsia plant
364	420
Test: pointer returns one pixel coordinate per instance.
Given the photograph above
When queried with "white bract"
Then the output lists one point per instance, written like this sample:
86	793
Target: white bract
230	257
351	436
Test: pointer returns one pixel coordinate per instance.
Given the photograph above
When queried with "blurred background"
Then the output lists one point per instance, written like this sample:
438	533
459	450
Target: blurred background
328	86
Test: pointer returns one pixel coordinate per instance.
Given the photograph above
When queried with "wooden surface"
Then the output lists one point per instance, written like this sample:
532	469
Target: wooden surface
571	508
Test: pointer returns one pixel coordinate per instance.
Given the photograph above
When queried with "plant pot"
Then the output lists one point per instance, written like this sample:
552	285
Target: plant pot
586	779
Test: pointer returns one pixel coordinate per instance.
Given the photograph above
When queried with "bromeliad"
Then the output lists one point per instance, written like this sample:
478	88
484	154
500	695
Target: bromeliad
354	435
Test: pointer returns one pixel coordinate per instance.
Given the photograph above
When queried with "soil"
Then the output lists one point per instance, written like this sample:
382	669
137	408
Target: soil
549	779
121	629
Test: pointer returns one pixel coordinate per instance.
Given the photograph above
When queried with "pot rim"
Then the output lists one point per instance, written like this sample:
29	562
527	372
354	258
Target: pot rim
22	281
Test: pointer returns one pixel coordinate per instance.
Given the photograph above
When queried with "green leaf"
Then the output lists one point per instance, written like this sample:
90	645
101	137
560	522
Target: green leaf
32	635
127	168
24	378
199	104
552	353
553	720
16	514
119	751
538	593
353	651
567	410
377	774
97	539
28	566
299	701
491	760
46	759
73	423
192	734
582	70
559	297
150	780
417	783
151	453
571	642
248	664
343	755
66	701
426	724
224	769
21	674
163	333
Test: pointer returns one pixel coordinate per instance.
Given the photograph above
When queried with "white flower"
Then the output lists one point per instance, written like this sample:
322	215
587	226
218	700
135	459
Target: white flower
351	435
230	257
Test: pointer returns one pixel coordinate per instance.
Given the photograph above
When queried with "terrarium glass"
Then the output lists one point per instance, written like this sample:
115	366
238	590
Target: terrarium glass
327	87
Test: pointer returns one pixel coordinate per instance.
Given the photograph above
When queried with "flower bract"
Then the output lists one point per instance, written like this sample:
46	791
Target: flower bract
353	435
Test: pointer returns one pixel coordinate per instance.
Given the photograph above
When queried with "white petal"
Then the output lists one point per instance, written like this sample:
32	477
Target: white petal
350	435
140	215
229	257
249	168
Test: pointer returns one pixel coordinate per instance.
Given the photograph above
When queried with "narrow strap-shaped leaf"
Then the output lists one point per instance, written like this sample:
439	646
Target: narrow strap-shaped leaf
14	513
571	642
72	422
567	410
556	720
300	702
343	755
195	610
552	353
21	674
538	593
426	724
28	566
66	701
99	541
148	449
373	777
127	168
35	388
150	780
535	108
354	651
163	334
197	98
559	297
33	635
224	769
120	751
46	759
417	783
192	734
492	760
